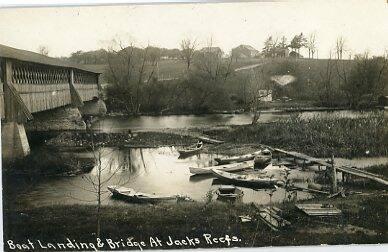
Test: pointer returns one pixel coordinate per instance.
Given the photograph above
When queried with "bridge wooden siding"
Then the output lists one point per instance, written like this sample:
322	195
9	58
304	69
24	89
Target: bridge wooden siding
30	83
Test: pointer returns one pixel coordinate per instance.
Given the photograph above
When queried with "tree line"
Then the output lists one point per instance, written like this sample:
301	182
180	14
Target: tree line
208	80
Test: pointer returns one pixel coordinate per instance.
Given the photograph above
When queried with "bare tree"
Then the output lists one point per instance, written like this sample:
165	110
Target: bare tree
211	64
340	47
260	89
366	80
326	83
96	182
43	50
187	51
130	70
311	44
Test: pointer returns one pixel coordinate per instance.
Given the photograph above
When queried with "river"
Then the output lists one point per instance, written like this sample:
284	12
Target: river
150	170
153	170
156	170
146	123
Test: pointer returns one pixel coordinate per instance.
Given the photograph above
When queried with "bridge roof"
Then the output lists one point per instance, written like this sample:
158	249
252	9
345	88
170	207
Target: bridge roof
23	55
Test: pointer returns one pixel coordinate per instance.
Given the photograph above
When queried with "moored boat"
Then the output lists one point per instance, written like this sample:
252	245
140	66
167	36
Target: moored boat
228	168
131	195
229	192
194	149
250	180
210	140
236	159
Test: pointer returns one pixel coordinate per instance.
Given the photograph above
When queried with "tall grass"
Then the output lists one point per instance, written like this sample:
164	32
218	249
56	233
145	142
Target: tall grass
318	136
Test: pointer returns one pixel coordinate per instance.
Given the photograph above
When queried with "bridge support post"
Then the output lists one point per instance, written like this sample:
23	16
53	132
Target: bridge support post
14	142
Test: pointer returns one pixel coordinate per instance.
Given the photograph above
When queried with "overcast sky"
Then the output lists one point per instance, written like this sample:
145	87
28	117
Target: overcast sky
364	24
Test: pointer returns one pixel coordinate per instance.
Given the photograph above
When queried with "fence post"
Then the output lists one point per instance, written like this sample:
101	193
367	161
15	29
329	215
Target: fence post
334	188
9	104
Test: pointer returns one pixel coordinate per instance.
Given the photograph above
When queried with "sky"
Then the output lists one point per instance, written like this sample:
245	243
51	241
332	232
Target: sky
363	24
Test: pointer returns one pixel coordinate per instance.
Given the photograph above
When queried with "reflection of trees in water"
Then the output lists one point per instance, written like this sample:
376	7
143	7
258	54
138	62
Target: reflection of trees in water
137	160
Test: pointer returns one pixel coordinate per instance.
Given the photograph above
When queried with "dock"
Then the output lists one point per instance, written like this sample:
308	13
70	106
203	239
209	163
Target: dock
345	169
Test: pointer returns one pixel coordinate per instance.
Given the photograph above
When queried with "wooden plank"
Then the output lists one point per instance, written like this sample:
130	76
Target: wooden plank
76	99
318	209
302	156
13	102
359	173
309	190
20	102
345	169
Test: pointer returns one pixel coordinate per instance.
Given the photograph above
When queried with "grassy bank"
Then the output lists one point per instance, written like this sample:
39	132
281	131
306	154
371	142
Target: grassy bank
138	139
319	137
363	221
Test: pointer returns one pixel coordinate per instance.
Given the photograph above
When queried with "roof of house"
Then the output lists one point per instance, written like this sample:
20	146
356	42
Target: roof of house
23	55
211	49
248	47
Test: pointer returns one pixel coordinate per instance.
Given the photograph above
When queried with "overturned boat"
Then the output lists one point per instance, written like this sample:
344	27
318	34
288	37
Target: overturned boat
249	180
235	167
130	195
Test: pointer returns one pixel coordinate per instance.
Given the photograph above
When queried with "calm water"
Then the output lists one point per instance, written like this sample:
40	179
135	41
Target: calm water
147	170
121	123
156	170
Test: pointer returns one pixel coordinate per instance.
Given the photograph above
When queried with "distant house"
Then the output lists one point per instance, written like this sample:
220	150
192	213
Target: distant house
283	52
294	54
213	50
245	51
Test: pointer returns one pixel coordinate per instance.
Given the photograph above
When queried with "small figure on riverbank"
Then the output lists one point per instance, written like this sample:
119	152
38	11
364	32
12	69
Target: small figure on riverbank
129	132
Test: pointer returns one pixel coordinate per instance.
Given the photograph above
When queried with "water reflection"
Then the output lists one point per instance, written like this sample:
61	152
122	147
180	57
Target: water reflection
122	123
156	170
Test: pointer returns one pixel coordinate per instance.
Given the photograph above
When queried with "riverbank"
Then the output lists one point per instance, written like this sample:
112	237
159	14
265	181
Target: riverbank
317	137
276	106
363	220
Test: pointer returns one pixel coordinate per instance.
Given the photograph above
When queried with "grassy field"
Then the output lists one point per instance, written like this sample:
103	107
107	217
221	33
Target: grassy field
363	221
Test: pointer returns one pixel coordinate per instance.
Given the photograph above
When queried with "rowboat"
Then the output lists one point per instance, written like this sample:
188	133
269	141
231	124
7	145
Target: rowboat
236	159
129	194
191	149
210	141
261	157
229	192
227	168
250	180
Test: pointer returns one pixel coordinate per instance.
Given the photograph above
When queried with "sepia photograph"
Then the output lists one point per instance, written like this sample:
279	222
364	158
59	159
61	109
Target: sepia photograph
194	125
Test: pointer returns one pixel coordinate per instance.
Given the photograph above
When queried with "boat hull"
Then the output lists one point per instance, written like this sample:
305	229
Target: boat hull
227	168
236	159
246	180
130	195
